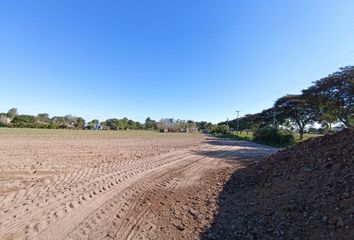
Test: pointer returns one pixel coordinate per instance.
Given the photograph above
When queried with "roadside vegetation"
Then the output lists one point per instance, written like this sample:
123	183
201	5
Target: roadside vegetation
269	136
328	102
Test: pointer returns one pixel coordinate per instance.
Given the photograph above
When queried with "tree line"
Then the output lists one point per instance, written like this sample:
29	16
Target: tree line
328	101
15	120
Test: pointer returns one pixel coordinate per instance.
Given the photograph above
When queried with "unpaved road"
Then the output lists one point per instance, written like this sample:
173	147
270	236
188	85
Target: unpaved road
114	188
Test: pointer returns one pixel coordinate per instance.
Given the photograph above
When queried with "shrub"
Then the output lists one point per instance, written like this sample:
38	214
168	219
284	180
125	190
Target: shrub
3	124
220	129
272	136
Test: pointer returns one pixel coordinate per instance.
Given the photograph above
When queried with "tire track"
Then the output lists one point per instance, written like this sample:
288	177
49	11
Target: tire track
131	230
44	207
67	224
77	203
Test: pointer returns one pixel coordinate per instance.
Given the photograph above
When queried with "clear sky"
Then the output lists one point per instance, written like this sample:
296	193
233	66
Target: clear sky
199	60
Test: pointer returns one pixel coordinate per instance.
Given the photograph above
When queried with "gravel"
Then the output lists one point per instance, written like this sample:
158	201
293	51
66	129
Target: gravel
303	192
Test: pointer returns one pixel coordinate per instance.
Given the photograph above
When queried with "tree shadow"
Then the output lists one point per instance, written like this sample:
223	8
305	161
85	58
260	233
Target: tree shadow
236	150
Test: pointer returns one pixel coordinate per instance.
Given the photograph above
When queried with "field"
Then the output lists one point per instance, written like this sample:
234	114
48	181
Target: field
71	184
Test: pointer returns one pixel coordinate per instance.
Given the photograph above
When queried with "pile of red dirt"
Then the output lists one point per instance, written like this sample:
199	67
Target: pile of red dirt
303	192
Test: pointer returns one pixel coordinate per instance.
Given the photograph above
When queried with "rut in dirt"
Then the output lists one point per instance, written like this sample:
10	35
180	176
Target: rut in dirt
143	198
80	204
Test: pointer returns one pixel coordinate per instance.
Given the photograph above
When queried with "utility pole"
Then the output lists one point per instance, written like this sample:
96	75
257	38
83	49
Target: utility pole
237	119
228	124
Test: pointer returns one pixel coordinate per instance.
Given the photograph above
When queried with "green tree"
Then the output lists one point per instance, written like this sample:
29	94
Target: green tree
111	123
299	110
43	118
150	124
335	94
204	126
221	129
80	123
12	113
58	122
92	124
27	121
327	119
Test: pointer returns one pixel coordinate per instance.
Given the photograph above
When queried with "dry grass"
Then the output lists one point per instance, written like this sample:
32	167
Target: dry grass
65	133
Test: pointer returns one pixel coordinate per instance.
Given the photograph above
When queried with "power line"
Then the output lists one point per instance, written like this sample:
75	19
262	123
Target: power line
338	61
334	62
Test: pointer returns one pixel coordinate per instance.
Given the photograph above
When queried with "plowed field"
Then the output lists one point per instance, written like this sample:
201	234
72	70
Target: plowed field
57	184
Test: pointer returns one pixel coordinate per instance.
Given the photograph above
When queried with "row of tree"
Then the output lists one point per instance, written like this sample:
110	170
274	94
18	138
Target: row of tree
328	101
13	119
176	125
42	120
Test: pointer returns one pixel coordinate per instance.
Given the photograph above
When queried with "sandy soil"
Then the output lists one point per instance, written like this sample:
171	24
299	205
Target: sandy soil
112	187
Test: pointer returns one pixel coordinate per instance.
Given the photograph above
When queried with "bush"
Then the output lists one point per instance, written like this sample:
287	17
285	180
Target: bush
23	121
220	129
272	136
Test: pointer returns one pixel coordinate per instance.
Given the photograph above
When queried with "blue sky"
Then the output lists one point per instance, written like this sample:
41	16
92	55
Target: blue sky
199	60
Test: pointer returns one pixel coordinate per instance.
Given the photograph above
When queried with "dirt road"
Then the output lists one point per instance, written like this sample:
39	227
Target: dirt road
114	188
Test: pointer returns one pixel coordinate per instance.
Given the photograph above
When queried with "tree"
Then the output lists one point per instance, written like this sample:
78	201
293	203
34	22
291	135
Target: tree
335	95
204	126
246	123
93	124
299	110
24	121
58	122
124	123
131	124
111	123
327	119
12	113
150	124
220	129
70	121
170	123
43	118
191	124
80	123
266	118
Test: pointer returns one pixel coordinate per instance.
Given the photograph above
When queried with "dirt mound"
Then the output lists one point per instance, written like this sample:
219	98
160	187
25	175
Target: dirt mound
304	192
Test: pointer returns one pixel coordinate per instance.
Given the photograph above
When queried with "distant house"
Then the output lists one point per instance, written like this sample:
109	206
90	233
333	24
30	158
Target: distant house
180	130
164	130
170	129
177	126
188	129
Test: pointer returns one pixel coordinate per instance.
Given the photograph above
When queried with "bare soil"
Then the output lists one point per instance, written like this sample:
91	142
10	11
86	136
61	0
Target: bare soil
92	186
304	192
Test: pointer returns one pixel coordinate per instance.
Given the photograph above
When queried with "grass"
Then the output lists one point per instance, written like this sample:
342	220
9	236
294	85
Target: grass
249	137
241	136
306	136
66	133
